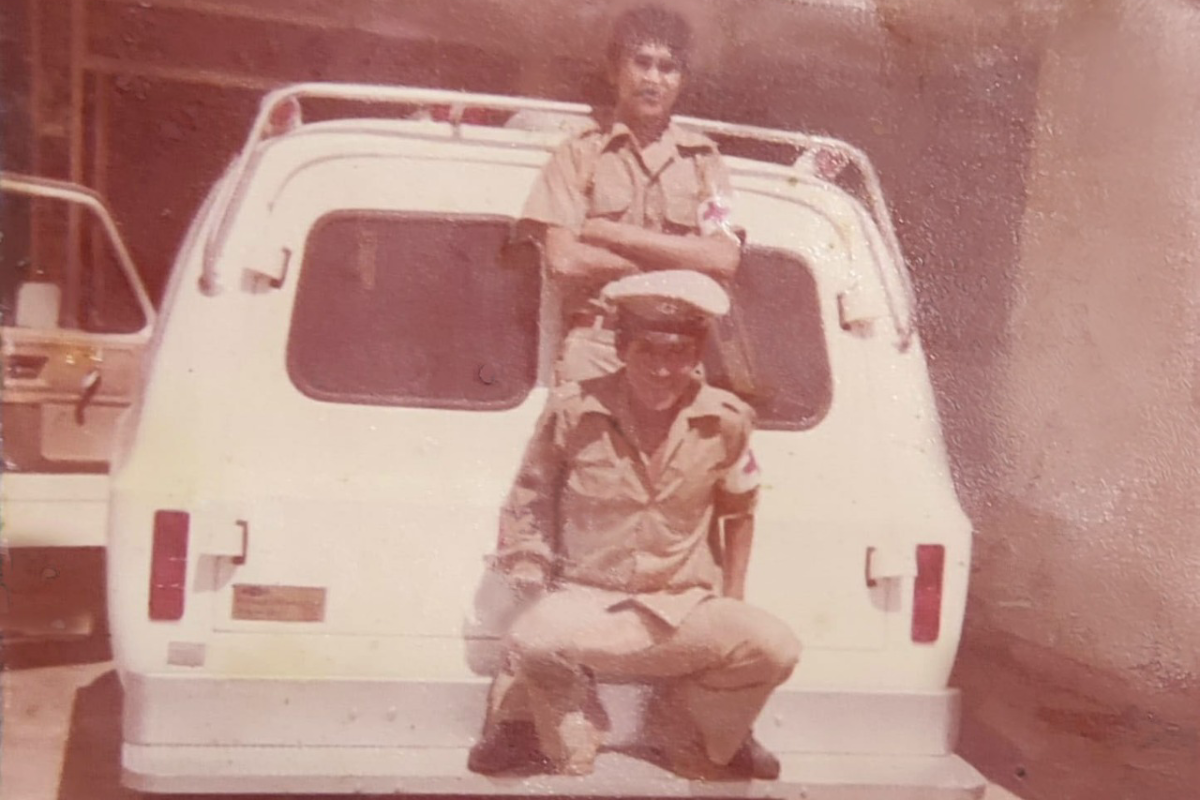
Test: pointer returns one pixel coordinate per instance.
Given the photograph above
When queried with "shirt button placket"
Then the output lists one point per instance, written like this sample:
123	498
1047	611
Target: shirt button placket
655	200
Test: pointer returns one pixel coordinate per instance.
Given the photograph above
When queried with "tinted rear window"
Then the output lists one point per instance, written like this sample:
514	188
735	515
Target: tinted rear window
413	310
417	310
771	349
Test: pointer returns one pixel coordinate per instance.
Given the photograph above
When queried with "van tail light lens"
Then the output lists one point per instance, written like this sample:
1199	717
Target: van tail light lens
168	565
283	118
927	593
469	115
830	163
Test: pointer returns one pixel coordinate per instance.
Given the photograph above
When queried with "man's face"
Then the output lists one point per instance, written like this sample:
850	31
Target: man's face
647	79
660	368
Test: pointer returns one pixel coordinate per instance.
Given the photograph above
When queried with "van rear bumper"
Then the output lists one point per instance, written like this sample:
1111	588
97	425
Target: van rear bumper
182	710
442	771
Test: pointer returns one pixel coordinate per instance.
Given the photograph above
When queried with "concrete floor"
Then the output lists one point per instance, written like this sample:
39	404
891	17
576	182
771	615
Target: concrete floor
1049	740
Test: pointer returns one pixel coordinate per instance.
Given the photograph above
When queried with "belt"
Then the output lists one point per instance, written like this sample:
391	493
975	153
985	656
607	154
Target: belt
592	319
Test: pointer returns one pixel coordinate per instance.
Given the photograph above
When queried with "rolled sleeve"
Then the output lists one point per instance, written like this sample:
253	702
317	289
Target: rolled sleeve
718	211
737	492
529	517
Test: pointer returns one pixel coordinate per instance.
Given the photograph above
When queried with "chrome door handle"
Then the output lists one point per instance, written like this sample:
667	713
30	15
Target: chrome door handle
245	528
91	386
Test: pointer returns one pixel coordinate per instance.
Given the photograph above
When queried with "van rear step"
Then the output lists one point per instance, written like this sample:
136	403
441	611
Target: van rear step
442	771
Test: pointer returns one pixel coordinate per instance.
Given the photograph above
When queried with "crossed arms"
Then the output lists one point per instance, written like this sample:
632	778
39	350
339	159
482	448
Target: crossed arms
607	249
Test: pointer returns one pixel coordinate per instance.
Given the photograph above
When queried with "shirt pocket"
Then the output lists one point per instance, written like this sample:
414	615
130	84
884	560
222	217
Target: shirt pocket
599	473
681	196
612	189
698	466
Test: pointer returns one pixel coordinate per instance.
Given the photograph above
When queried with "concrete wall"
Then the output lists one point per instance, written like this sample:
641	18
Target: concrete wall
1097	468
1066	370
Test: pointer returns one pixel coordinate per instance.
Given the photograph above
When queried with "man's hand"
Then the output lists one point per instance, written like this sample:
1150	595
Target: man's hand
739	535
527	578
600	232
572	257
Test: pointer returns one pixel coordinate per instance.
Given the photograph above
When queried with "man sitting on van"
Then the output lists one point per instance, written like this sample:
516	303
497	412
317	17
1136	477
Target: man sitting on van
631	193
614	525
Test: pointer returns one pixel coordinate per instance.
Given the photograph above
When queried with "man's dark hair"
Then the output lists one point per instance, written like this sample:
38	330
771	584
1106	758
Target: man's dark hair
650	25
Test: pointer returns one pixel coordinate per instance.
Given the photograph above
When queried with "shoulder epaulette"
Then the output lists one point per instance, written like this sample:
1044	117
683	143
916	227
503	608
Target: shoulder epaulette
693	140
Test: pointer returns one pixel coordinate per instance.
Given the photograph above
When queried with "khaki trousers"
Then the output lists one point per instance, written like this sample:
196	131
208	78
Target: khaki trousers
712	674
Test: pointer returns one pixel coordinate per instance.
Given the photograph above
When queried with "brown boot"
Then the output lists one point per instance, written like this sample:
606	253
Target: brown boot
690	760
508	747
752	760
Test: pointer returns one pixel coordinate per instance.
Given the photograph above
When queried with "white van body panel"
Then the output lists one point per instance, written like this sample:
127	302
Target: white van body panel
42	510
366	527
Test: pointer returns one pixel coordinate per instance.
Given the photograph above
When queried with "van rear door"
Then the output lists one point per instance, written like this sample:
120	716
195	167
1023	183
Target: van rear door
409	353
384	404
395	372
779	351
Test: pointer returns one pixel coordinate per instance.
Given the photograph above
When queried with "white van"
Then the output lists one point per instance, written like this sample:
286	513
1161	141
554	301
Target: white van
348	364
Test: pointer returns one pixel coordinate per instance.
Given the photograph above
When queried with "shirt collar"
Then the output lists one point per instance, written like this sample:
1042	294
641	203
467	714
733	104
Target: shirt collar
680	138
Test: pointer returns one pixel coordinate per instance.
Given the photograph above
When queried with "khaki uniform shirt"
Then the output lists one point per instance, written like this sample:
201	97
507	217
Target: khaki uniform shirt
592	510
678	185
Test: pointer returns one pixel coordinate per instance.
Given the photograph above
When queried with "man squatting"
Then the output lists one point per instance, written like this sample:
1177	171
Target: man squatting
614	525
631	193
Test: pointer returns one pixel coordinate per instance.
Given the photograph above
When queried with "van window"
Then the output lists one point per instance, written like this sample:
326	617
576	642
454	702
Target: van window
59	269
413	309
771	348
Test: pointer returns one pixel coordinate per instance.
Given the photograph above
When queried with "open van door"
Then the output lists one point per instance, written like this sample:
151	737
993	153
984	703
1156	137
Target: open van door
76	322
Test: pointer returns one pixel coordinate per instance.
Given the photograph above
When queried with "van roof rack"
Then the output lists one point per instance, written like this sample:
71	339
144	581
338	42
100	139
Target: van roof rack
279	113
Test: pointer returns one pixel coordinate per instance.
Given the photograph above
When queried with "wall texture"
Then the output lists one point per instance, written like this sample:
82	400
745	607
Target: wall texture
1065	358
1088	554
1097	401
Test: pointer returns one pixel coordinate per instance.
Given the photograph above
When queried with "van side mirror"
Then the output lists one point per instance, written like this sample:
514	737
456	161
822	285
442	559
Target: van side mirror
38	305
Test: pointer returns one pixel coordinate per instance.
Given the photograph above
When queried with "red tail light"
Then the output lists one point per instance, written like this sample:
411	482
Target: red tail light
168	565
830	163
927	593
469	115
284	118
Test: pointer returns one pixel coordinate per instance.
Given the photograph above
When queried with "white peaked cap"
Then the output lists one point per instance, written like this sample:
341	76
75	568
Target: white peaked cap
676	294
